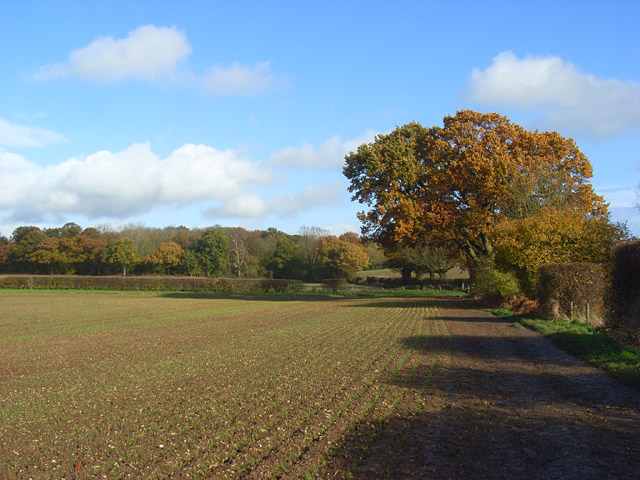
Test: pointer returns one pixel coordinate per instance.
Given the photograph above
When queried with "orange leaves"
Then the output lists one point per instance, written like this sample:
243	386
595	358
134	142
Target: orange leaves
551	236
454	182
342	256
167	255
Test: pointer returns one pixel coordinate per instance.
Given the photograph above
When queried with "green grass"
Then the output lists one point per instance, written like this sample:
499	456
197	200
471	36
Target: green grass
587	343
501	312
401	292
454	273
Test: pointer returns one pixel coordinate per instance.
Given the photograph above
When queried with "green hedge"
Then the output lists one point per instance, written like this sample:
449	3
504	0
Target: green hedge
395	282
623	301
559	284
166	284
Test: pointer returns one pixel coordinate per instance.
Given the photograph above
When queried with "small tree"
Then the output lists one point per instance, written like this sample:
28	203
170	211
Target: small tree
211	250
48	254
26	247
121	253
342	258
7	253
307	240
167	256
428	259
286	261
189	263
89	247
239	258
377	258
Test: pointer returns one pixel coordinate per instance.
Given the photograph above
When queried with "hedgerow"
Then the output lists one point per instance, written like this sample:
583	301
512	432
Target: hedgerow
623	299
168	283
559	285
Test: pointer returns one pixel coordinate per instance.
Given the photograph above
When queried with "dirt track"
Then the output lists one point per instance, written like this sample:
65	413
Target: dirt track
503	402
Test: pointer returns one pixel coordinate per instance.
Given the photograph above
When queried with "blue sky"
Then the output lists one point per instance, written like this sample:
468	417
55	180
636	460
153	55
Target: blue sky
200	113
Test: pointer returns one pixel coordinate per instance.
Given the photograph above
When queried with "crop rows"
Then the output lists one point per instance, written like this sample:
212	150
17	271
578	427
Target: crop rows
146	386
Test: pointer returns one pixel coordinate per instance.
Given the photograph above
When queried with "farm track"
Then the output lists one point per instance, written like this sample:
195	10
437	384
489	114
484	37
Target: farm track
508	404
122	386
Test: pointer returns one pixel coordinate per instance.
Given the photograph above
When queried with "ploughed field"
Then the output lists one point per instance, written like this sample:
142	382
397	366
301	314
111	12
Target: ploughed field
141	385
152	386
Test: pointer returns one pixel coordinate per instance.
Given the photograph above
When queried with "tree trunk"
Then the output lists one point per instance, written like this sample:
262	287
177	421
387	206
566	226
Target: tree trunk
406	275
480	249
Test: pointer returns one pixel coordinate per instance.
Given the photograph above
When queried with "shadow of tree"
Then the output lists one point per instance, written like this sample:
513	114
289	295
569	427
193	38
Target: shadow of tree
512	406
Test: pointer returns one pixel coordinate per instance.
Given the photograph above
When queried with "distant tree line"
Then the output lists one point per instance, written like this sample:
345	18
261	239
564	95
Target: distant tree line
310	255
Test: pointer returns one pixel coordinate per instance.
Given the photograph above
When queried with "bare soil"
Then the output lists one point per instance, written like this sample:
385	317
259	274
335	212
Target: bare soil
504	402
154	387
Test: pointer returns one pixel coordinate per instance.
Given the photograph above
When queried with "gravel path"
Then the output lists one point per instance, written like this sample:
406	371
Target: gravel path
504	402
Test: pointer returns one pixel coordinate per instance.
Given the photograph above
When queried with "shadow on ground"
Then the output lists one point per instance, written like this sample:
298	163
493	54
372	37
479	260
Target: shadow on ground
500	403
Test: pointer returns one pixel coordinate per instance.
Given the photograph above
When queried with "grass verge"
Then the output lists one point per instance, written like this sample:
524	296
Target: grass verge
588	343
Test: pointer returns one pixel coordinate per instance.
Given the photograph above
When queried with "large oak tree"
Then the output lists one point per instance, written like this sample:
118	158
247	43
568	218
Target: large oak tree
448	184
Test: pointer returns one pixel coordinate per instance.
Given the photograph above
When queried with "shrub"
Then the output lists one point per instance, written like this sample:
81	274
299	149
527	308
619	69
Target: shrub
623	299
279	285
561	284
334	284
493	286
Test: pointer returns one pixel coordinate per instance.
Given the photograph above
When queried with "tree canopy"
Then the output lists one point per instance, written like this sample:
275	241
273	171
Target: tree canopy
453	183
211	250
121	253
342	257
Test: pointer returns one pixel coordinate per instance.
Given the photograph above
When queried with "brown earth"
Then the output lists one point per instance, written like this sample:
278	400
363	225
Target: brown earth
502	402
129	386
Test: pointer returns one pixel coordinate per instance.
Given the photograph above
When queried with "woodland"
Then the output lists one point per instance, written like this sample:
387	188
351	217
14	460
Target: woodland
215	251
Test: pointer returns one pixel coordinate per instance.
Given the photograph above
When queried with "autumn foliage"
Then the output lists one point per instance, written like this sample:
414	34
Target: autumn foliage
453	183
342	257
311	255
166	257
551	236
507	198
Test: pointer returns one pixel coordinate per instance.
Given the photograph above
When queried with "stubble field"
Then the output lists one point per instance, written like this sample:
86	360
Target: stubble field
147	386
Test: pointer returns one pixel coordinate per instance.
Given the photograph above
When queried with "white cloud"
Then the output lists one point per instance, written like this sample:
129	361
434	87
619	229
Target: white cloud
567	98
149	53
312	196
619	197
119	185
124	183
283	206
329	155
239	80
242	206
12	135
31	116
158	54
